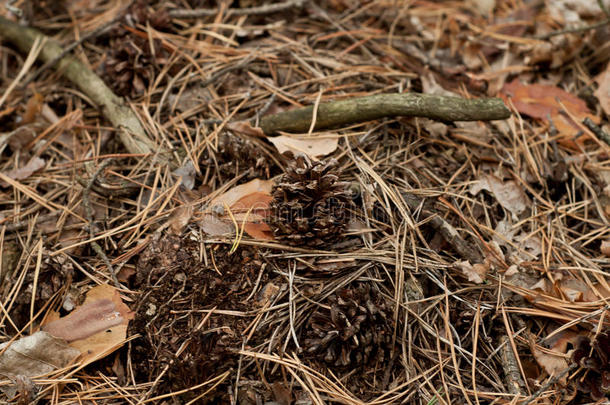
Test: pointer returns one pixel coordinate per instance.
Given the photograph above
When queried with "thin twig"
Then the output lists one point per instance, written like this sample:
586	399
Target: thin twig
550	382
90	35
89	212
573	30
511	367
597	130
447	231
266	9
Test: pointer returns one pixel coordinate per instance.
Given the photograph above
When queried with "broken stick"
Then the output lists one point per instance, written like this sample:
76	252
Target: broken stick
113	107
361	109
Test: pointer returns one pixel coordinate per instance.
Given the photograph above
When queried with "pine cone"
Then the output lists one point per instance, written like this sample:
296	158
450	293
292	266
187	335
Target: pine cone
310	204
355	331
594	357
131	64
236	154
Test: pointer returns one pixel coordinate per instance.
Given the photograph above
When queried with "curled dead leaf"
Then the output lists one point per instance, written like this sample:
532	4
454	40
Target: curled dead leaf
554	360
509	194
475	272
605	247
244	127
247	205
37	354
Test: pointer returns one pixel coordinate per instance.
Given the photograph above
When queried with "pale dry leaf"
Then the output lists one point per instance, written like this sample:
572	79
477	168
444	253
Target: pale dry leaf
213	225
180	218
475	272
312	147
32	166
509	194
484	6
430	86
552	364
603	91
574	290
543	285
554	361
34	355
186	173
572	12
596	292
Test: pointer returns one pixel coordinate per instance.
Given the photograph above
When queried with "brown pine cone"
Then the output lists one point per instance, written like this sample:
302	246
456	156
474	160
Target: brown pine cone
354	331
594	357
310	204
131	64
236	153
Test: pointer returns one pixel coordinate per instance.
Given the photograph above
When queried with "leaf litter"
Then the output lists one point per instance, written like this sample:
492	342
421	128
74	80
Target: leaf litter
308	269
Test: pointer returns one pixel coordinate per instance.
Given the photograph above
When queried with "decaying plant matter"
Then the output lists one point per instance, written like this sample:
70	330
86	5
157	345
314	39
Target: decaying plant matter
403	257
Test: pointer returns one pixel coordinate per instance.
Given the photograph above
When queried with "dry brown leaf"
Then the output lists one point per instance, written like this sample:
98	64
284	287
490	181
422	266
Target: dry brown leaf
247	204
32	109
32	166
603	91
509	194
97	327
544	101
283	395
312	147
237	193
554	361
258	230
180	218
552	364
475	272
244	127
605	247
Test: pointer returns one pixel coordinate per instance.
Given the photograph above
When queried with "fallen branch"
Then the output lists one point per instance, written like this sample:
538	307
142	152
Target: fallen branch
361	109
121	116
